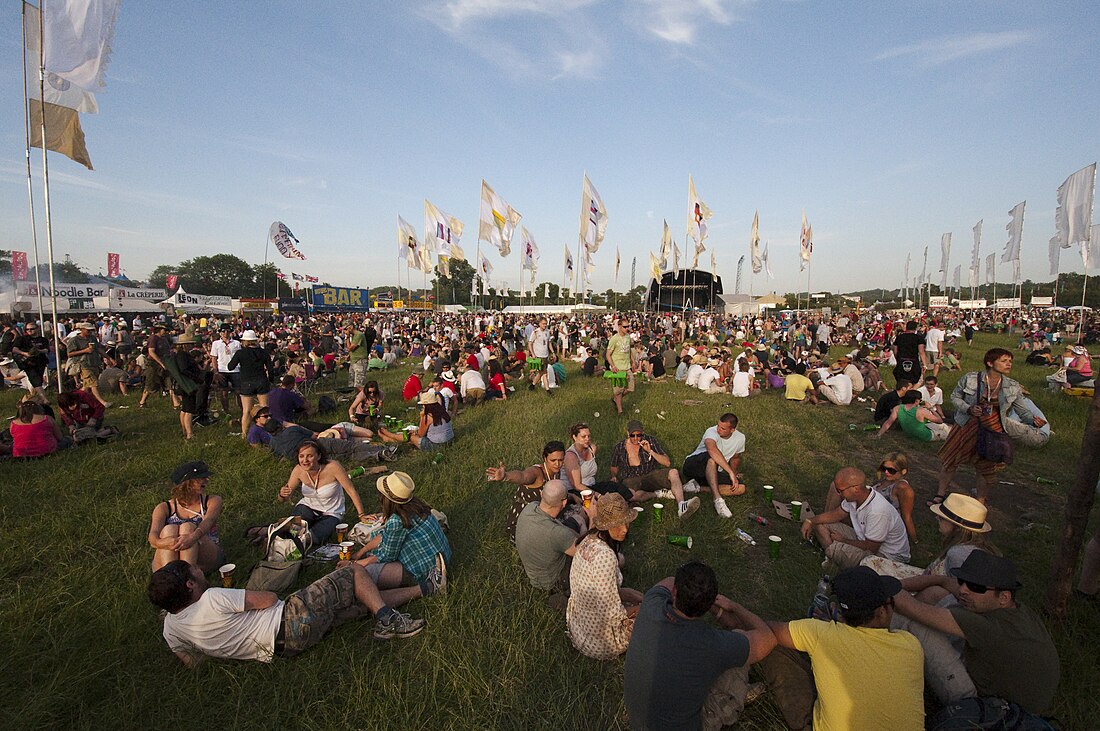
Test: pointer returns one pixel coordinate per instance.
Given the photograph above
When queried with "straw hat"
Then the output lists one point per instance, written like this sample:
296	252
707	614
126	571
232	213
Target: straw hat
428	397
964	511
611	511
397	486
250	335
448	375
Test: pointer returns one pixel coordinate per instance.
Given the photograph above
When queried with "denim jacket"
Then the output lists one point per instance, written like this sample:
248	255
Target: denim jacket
965	395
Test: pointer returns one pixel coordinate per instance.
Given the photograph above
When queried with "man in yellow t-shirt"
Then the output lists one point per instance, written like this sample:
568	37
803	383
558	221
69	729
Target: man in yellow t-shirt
867	675
799	388
618	357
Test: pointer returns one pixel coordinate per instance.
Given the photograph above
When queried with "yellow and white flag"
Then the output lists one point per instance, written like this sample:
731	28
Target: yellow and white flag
58	90
442	232
593	217
666	246
498	220
408	248
654	267
698	213
754	245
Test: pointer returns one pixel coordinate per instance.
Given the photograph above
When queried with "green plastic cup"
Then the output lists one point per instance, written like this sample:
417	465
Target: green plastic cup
773	547
796	510
769	492
658	509
682	541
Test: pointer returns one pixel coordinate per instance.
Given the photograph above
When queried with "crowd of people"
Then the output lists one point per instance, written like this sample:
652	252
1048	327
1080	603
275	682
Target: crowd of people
955	626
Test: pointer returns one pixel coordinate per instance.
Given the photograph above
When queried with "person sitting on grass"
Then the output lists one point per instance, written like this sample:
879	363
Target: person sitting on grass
498	387
33	433
643	467
916	421
80	409
240	624
434	430
411	542
600	613
884	407
186	527
931	396
471	385
864	524
798	387
529	481
323	484
894	486
545	544
716	460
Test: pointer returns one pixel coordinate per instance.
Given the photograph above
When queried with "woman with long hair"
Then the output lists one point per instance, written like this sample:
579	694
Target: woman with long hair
529	481
366	408
33	433
579	470
257	373
186	526
434	429
323	483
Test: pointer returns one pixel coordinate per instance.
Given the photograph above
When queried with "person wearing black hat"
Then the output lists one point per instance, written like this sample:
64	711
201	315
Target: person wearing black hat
1000	638
866	674
186	527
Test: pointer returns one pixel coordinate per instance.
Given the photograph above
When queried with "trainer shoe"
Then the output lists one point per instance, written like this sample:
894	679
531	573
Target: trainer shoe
437	576
399	625
691	486
665	494
688	508
721	508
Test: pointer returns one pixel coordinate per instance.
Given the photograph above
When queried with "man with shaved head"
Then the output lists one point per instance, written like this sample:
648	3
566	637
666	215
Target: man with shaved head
545	545
865	524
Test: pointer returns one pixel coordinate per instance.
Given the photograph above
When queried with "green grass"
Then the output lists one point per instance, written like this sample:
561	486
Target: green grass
82	644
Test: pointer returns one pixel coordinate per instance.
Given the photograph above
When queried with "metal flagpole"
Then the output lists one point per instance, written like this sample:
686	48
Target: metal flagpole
1084	289
30	189
46	188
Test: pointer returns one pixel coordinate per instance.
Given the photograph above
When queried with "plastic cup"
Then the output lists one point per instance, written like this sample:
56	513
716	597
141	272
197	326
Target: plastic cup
796	510
773	547
345	550
227	572
638	509
586	495
682	541
341	532
658	508
769	493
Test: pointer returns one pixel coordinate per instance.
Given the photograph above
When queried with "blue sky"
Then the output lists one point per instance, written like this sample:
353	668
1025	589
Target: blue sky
888	123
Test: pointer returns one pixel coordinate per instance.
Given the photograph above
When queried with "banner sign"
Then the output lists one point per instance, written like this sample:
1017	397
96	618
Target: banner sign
939	302
124	293
70	291
1042	301
171	280
183	299
284	241
19	265
972	304
112	266
289	305
1008	303
341	298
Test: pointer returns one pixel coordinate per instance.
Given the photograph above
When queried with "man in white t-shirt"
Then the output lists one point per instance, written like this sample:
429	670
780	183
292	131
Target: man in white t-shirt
241	624
710	380
222	351
931	395
715	461
837	388
933	346
695	370
865	524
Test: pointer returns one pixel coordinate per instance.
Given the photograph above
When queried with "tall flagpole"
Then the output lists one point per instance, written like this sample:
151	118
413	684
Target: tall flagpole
46	188
1084	289
30	188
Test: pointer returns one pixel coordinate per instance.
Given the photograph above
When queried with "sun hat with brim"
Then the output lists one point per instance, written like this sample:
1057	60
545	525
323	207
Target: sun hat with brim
85	326
964	511
427	398
191	471
186	339
397	486
250	335
7	362
986	569
612	511
447	375
1080	350
861	589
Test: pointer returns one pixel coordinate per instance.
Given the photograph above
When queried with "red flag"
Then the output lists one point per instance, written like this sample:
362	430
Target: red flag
112	266
170	281
19	265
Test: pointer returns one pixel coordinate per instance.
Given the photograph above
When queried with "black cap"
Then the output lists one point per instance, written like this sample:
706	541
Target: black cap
860	588
191	471
988	570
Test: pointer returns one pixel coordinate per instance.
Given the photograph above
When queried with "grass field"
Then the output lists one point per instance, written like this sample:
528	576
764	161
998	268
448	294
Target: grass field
82	646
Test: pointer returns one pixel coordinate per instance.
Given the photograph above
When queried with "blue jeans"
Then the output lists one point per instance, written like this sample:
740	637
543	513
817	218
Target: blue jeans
321	526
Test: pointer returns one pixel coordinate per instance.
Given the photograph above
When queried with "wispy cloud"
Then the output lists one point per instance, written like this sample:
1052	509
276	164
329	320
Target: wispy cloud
124	231
938	51
679	21
313	182
458	12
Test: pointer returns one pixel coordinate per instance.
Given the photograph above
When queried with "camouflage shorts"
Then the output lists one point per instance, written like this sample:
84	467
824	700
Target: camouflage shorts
310	612
88	378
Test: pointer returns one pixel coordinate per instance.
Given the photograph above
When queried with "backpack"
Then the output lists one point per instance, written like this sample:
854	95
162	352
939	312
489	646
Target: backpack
326	405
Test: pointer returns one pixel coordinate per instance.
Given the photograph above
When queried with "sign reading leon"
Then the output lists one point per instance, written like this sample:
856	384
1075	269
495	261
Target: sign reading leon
341	298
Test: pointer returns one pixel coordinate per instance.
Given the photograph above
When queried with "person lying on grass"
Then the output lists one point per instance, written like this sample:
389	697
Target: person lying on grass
240	624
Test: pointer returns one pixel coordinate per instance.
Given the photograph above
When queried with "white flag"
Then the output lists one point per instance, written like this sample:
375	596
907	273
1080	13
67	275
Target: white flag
408	248
767	263
442	232
498	220
804	249
945	252
991	269
530	250
754	245
666	246
1054	251
1090	252
698	214
284	241
1074	214
975	261
58	91
568	266
78	35
425	261
655	267
617	260
486	267
713	263
906	277
958	276
675	259
924	269
1015	230
593	217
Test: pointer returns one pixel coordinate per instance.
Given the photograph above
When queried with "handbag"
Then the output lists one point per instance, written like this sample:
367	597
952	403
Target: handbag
287	540
993	446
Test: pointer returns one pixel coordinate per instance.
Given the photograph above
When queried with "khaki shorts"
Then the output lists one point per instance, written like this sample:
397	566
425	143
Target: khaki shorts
619	390
310	612
474	394
88	378
650	482
844	555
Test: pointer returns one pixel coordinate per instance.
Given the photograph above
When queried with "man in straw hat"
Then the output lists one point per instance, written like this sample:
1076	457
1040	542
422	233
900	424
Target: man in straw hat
86	359
986	653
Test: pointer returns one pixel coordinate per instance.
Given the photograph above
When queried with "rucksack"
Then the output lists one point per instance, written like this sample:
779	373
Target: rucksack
326	405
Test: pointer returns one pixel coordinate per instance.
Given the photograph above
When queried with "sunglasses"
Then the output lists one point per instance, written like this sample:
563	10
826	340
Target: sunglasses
884	468
974	587
637	435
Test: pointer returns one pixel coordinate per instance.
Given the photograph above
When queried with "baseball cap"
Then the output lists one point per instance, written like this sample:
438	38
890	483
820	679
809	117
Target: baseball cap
860	589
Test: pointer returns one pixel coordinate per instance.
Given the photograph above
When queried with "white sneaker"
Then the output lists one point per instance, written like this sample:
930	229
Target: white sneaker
665	494
688	508
721	508
691	486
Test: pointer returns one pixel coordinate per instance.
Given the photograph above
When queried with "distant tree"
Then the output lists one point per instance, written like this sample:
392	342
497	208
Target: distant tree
5	262
222	274
455	289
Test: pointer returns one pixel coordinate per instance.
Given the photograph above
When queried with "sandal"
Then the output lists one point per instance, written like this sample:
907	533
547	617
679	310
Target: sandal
936	500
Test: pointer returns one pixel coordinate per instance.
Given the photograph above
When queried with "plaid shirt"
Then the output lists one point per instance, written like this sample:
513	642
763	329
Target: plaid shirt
415	547
620	458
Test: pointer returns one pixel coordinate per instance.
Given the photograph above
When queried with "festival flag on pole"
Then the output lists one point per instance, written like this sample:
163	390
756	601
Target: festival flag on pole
284	241
171	280
1074	214
975	261
113	269
906	277
1090	251
19	265
280	275
617	260
408	248
530	250
666	246
568	266
655	267
442	232
63	131
924	269
486	267
1015	230
312	280
698	213
593	217
990	269
754	245
767	262
56	89
424	260
1054	251
958	276
78	36
945	258
297	277
498	220
804	249
444	265
675	260
713	263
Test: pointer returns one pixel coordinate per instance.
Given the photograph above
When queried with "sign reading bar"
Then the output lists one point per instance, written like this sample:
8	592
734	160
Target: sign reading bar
341	298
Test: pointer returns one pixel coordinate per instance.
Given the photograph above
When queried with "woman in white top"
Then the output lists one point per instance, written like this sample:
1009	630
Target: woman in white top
323	486
742	380
579	469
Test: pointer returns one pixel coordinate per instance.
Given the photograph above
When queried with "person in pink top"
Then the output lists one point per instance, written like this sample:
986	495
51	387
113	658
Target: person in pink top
34	434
